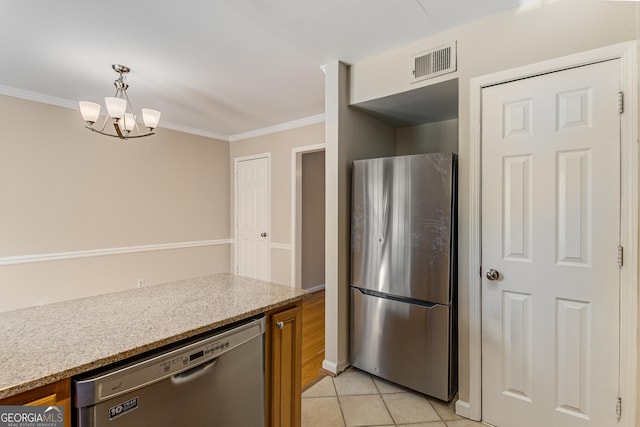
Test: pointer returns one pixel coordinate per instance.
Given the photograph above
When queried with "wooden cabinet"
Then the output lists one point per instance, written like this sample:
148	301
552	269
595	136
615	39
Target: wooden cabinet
56	394
283	361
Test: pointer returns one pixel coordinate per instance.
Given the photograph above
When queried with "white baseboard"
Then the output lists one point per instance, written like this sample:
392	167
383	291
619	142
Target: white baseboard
342	366
334	368
463	409
330	367
315	288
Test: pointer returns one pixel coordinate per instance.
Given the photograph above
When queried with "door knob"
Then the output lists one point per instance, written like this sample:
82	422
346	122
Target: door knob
280	325
263	234
493	274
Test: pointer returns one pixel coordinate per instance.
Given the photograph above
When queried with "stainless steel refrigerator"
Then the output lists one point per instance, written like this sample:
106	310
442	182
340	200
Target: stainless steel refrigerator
403	271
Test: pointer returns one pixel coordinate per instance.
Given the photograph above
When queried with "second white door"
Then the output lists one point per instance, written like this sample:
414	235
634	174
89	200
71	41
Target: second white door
252	218
550	236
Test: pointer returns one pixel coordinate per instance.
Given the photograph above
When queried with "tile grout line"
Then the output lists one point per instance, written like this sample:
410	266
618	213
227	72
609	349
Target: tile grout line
379	392
333	383
384	402
423	395
435	410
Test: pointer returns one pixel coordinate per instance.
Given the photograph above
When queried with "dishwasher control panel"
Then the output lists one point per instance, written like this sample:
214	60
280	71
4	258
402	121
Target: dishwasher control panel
93	389
210	351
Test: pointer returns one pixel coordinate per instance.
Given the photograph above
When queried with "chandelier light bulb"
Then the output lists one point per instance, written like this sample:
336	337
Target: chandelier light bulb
90	111
128	122
115	106
150	118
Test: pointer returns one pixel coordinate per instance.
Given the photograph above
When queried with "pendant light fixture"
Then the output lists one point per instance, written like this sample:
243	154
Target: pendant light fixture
120	112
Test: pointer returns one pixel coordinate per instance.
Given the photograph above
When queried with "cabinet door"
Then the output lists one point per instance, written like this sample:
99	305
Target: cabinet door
55	394
50	400
286	367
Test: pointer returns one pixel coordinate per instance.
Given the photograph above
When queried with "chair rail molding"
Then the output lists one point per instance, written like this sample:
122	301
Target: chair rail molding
58	256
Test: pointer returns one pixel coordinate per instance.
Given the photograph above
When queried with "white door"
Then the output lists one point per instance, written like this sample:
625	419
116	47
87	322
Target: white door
550	230
252	218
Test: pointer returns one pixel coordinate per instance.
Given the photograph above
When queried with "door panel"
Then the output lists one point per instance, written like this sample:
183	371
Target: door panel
574	213
573	336
516	345
517	206
252	218
550	227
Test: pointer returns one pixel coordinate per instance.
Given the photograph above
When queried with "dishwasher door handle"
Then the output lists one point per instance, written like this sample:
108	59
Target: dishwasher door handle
195	372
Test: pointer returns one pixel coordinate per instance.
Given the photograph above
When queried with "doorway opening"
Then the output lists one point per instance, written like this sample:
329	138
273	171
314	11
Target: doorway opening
308	216
308	266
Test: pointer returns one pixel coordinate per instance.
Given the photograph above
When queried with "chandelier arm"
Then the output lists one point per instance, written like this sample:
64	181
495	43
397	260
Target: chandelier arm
138	136
116	136
118	131
104	123
130	106
137	128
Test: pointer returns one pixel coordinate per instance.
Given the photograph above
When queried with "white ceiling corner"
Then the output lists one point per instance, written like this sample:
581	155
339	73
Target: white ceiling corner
226	69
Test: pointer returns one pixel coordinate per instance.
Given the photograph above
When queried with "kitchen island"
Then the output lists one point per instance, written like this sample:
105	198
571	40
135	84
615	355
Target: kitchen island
45	344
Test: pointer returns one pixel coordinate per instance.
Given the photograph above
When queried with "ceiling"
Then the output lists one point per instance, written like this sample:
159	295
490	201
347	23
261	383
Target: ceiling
214	67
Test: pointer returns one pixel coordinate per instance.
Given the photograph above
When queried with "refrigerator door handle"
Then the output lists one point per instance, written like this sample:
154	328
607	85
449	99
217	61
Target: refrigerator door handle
377	294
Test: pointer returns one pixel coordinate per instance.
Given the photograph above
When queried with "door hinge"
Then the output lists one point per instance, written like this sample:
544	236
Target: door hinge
619	408
620	256
620	102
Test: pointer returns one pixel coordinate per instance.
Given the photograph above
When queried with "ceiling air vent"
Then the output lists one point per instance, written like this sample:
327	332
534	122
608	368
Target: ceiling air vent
434	62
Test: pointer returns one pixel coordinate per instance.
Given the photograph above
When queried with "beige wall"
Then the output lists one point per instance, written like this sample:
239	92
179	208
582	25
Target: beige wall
548	30
313	214
350	135
438	137
279	145
65	189
25	285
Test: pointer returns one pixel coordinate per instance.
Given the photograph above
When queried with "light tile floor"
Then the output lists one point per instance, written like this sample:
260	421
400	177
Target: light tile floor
355	398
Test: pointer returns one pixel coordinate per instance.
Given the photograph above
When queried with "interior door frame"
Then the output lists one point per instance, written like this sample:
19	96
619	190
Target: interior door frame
627	54
237	160
296	209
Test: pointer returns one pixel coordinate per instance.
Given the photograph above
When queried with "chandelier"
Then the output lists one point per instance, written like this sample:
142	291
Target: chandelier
121	114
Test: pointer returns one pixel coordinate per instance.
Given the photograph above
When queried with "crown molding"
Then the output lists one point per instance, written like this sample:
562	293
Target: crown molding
73	105
194	131
319	118
38	97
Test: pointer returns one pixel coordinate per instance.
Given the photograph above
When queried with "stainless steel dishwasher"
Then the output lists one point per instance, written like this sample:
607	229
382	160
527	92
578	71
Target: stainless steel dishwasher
217	380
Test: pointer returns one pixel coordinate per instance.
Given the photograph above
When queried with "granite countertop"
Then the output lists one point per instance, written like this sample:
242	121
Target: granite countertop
44	344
